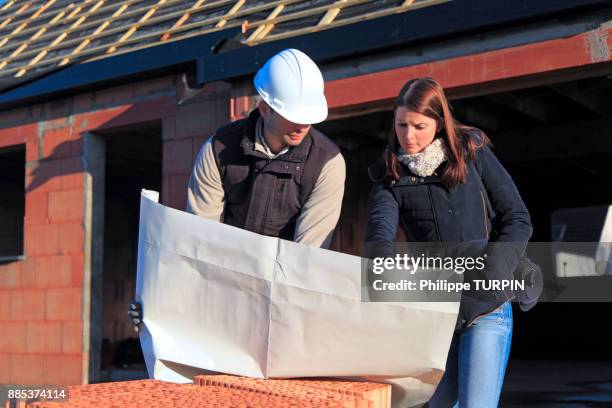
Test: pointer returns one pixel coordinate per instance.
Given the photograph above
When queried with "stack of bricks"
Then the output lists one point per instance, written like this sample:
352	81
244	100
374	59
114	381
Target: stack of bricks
212	391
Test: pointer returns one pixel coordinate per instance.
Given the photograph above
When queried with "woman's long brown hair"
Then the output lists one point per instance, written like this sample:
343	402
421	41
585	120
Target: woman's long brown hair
426	96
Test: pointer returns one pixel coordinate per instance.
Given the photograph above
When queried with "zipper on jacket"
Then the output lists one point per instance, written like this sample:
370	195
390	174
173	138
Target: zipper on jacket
484	208
433	212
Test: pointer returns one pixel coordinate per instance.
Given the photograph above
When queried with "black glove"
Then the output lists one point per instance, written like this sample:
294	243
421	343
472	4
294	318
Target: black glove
135	313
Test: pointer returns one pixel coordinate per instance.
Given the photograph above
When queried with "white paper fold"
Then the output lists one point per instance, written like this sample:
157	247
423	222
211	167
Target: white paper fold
223	299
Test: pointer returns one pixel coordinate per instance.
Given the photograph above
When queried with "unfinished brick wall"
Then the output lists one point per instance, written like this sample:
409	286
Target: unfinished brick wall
42	297
194	120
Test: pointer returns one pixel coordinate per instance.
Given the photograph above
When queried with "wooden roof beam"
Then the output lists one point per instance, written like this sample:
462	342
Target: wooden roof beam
263	30
135	27
34	37
57	40
230	13
331	14
98	30
180	21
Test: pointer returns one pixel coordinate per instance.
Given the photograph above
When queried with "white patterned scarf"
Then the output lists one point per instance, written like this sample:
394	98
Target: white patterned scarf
426	161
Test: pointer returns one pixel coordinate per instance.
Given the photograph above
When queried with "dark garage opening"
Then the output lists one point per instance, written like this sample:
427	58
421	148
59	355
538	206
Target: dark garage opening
133	162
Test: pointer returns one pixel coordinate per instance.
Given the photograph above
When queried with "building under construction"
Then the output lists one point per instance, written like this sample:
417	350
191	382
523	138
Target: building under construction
100	98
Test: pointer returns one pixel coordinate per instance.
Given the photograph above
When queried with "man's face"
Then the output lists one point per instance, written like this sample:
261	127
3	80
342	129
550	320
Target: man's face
283	130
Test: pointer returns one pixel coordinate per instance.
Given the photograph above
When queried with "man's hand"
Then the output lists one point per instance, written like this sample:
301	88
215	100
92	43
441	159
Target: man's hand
135	313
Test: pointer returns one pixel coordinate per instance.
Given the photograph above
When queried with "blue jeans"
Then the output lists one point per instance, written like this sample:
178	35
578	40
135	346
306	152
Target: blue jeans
476	363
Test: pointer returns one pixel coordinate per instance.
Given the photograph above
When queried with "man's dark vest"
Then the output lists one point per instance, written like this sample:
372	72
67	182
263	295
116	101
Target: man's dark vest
266	195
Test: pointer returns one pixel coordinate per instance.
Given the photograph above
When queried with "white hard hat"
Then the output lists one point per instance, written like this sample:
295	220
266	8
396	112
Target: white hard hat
291	83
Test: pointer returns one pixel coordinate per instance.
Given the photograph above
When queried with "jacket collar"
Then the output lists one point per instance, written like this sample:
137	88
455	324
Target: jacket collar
296	154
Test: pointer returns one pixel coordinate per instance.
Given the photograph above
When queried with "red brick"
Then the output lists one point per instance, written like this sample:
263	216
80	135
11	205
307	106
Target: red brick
27	277
5	362
61	142
72	337
165	190
178	191
63	369
43	337
54	271
177	157
71	238
73	369
114	95
5	305
42	239
43	175
32	151
27	369
56	142
82	102
154	86
37	111
128	114
77	269
60	122
198	142
66	205
73	176
195	120
15	115
224	112
28	304
64	304
13	339
54	372
9	275
18	134
36	207
168	128
59	108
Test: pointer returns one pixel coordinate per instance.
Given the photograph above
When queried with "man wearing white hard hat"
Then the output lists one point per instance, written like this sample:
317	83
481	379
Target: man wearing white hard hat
273	173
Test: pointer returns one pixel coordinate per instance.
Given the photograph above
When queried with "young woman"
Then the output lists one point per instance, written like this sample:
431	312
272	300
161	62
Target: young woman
434	180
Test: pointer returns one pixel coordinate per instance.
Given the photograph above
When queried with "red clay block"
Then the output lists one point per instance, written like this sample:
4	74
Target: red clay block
263	393
153	86
13	338
66	205
43	337
63	369
28	304
56	142
114	95
72	336
63	304
5	361
9	275
5	304
195	119
177	157
178	191
54	271
77	266
41	239
70	237
36	207
27	369
32	151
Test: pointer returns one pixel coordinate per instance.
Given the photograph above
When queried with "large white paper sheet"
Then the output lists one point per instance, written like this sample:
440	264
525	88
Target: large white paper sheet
223	299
